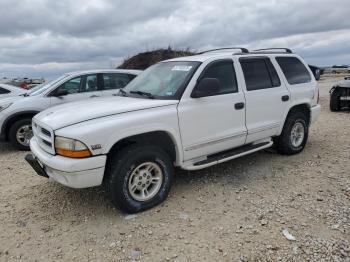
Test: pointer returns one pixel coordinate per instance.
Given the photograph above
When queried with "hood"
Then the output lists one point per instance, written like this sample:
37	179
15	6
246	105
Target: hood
72	113
344	83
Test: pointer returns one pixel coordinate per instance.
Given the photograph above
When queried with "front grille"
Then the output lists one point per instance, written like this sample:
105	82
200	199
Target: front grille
46	132
44	137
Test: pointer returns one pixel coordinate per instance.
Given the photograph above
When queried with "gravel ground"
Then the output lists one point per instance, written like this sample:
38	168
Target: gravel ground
235	211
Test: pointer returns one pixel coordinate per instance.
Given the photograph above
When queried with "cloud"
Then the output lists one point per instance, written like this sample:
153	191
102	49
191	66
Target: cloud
77	34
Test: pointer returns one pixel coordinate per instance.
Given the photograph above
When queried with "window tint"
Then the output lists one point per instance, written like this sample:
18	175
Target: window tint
259	73
224	72
294	70
72	86
116	81
4	91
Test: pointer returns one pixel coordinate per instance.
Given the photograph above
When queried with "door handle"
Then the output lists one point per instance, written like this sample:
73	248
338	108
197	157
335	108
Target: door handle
285	98
239	106
94	96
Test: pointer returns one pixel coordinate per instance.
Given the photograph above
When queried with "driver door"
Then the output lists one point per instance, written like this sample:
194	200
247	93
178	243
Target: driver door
214	123
75	89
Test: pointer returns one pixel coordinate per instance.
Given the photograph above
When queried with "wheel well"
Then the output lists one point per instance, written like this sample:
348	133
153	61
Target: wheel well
9	122
156	138
304	108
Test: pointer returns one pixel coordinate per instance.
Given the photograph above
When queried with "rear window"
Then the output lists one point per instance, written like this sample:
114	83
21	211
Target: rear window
294	70
259	73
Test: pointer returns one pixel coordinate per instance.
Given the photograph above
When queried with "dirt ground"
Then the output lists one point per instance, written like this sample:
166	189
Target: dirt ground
235	211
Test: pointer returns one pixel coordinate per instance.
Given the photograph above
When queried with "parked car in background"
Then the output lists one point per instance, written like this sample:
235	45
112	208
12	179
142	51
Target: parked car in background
340	95
316	71
190	112
9	90
16	112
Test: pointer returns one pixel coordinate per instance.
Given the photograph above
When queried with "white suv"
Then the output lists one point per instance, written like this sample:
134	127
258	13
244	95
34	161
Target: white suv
189	112
16	112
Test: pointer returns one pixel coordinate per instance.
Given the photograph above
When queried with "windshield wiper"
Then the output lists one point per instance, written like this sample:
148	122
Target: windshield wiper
25	95
141	93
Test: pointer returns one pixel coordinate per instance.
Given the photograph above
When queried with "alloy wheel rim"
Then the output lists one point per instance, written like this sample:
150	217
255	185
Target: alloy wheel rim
145	181
297	134
24	134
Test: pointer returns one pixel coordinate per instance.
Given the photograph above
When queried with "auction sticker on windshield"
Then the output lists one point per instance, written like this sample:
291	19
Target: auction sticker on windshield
181	68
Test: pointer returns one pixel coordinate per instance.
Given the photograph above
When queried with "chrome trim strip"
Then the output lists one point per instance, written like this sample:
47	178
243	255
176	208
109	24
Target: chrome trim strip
213	142
263	128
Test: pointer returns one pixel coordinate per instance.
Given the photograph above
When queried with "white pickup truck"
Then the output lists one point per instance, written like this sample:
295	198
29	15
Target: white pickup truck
189	112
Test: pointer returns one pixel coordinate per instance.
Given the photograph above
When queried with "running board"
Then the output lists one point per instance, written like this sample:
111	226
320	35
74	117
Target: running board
228	155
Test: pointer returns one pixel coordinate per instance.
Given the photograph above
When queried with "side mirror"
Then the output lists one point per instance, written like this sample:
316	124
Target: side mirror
60	93
206	87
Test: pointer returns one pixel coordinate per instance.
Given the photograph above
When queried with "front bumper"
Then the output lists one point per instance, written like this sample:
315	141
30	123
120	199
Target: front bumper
75	173
315	113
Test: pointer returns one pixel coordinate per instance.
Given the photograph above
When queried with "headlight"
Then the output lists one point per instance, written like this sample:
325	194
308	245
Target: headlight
71	148
3	107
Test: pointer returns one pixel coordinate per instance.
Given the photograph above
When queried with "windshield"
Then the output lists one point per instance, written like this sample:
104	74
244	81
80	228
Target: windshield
165	80
39	89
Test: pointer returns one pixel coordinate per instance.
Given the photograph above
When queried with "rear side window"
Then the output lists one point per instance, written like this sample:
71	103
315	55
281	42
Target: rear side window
116	80
259	73
3	91
225	73
294	70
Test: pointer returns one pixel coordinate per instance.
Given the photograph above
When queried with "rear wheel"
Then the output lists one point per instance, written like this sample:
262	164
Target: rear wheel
138	178
294	134
334	103
20	134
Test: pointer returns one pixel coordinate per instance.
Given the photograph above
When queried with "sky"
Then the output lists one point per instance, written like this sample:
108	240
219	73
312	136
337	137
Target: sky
45	38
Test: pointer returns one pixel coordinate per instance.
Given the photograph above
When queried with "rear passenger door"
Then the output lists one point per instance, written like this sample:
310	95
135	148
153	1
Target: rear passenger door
111	82
267	98
298	78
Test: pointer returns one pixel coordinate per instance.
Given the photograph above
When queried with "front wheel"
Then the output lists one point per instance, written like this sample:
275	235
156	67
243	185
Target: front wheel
294	134
20	134
138	178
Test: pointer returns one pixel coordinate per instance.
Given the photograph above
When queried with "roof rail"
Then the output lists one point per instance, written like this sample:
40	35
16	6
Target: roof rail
243	50
287	50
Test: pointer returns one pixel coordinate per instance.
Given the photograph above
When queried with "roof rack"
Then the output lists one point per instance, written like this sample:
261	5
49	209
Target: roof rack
287	50
243	50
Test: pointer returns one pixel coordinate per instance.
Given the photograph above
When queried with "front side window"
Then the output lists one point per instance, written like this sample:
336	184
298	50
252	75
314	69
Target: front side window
294	70
116	80
80	84
70	87
3	91
165	80
89	83
259	73
223	71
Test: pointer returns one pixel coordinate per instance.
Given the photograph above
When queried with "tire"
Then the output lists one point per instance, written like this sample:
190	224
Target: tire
296	121
120	176
18	127
334	104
